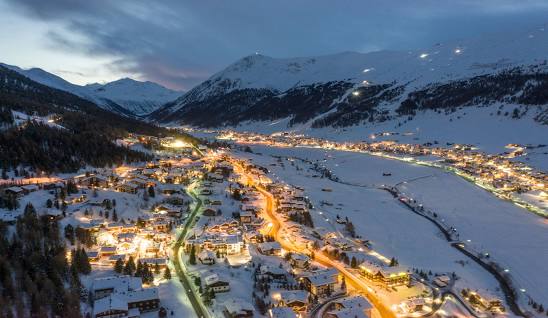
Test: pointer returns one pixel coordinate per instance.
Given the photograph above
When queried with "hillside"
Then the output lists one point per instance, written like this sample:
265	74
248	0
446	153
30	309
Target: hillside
126	96
349	89
83	133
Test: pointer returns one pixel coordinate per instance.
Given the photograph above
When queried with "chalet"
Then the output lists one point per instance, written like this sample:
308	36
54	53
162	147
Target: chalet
388	276
298	300
207	257
128	228
237	308
111	306
299	260
270	248
160	226
128	187
320	283
281	312
126	237
350	306
144	299
169	190
214	283
206	192
252	236
14	192
210	211
223	226
93	256
273	272
107	251
246	217
29	188
215	177
102	287
413	304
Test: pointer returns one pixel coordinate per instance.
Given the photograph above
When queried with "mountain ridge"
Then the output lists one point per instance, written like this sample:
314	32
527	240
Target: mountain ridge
366	87
125	96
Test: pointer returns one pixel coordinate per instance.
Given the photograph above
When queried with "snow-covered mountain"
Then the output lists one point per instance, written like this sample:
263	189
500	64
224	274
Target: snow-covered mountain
358	88
140	98
125	96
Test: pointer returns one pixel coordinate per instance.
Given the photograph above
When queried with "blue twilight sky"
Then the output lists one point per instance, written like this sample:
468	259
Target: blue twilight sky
179	43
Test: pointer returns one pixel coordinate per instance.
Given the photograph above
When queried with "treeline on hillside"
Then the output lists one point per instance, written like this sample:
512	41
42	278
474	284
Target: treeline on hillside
20	93
35	277
58	150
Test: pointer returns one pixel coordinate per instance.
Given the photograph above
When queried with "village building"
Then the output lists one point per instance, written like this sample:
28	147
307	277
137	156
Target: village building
207	257
297	300
320	283
350	307
238	308
270	248
281	312
387	276
215	284
16	192
299	260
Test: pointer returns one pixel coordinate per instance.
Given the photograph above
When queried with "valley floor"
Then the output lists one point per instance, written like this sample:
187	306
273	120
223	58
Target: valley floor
512	236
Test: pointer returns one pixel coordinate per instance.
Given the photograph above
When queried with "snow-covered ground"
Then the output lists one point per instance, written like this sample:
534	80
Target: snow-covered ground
511	235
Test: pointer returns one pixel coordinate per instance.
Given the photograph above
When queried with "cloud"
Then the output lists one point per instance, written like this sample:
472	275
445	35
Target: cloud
181	43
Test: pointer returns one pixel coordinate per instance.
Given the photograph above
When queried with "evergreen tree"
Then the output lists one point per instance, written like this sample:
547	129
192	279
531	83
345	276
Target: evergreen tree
129	269
192	257
119	266
151	192
84	260
114	216
167	273
353	262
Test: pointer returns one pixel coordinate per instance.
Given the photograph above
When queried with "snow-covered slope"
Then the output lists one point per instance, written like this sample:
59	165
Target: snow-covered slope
125	96
269	86
140	98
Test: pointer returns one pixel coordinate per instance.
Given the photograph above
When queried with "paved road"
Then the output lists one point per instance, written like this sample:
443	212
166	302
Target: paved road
183	277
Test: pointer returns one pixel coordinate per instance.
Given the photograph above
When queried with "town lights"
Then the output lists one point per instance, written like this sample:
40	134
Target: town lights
356	93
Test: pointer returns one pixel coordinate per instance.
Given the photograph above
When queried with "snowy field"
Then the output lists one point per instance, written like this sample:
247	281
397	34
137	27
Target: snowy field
516	239
396	231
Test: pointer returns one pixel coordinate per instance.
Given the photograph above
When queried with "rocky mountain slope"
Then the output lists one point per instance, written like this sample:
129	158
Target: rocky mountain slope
125	96
363	88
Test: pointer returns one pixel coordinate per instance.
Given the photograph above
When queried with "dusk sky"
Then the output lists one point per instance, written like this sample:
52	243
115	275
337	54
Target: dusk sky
181	43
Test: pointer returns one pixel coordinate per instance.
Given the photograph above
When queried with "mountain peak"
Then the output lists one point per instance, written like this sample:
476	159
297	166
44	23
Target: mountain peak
136	97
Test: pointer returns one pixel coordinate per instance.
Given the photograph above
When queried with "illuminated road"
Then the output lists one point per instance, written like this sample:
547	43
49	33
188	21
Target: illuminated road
350	277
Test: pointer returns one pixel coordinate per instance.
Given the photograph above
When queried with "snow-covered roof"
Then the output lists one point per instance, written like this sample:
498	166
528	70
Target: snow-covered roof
354	302
14	189
117	283
267	246
238	306
30	187
142	294
348	313
111	302
289	296
282	312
